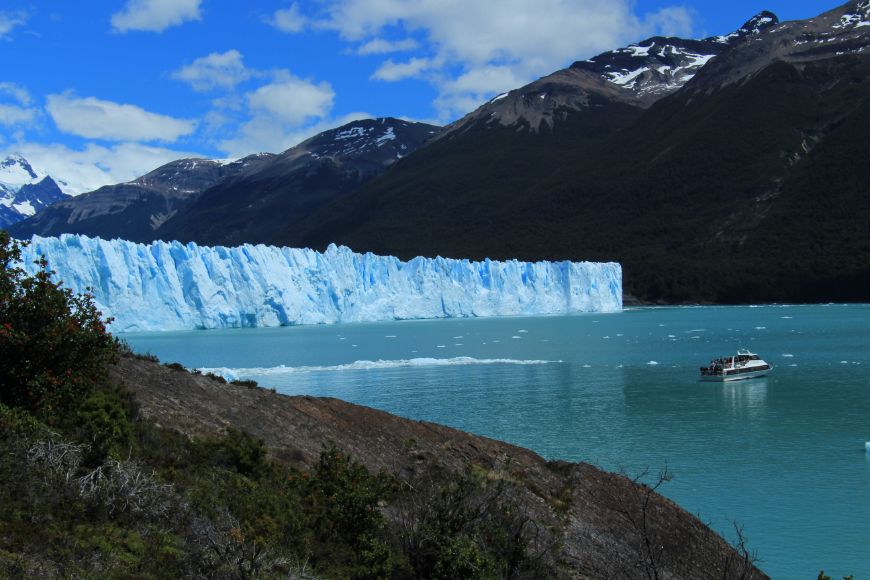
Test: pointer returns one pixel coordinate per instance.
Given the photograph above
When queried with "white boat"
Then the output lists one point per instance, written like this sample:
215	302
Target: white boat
743	365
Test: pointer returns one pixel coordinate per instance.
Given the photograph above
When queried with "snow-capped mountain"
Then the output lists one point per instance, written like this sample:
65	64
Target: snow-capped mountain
25	189
659	66
637	75
746	182
133	210
837	33
265	205
228	202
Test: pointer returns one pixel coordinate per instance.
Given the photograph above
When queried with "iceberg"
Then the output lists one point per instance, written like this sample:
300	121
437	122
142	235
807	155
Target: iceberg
174	286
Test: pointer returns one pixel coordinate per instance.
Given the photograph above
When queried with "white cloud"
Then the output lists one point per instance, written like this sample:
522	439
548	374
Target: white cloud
17	92
94	165
259	134
9	20
467	91
17	112
280	114
292	100
395	71
15	115
469	37
672	21
381	46
155	15
224	70
97	119
289	19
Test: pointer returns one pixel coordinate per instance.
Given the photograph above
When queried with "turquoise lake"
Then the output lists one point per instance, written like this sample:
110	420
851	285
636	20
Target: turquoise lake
783	455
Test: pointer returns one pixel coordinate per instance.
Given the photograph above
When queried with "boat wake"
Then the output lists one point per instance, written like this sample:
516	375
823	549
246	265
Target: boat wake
361	365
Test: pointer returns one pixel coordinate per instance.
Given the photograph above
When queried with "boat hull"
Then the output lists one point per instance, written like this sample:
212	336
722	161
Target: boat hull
735	377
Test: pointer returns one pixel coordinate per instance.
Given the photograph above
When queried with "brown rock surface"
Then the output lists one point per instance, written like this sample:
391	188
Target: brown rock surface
594	524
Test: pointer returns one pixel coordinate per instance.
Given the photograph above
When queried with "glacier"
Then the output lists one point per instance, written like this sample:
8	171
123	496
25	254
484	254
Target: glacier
173	286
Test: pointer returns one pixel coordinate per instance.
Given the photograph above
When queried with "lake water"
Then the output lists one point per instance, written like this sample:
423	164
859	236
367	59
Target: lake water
783	455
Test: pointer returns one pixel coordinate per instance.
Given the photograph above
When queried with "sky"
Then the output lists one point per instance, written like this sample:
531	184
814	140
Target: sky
101	92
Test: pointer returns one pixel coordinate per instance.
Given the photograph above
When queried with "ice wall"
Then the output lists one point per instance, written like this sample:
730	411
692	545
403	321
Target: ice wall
173	286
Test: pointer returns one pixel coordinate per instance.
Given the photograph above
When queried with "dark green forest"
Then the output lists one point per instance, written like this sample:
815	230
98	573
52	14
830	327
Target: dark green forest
755	192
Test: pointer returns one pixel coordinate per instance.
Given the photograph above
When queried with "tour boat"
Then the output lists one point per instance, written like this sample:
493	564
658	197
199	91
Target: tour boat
743	365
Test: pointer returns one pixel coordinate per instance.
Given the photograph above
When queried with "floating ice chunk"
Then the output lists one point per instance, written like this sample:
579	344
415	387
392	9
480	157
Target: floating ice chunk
652	363
787	355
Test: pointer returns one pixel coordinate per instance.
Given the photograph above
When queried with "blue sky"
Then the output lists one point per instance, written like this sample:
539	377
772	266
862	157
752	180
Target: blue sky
99	92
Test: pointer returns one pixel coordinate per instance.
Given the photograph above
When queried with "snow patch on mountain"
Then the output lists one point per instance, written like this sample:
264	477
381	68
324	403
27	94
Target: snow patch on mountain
858	19
360	139
659	66
25	189
171	286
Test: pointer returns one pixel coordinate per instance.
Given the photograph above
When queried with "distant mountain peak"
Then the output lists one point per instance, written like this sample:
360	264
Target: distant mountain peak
755	25
857	15
638	74
24	189
16	170
386	136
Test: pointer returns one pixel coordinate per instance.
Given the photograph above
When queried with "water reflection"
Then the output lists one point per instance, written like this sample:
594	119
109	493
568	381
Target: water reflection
748	397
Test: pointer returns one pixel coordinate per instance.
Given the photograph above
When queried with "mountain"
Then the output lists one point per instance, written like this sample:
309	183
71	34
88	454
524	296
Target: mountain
251	200
637	75
134	210
264	205
746	183
24	190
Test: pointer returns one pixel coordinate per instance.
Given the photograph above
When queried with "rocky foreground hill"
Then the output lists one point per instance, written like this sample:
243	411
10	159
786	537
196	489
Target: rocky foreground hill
580	522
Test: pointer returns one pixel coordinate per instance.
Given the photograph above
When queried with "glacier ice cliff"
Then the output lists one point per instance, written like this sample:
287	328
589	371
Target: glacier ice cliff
174	286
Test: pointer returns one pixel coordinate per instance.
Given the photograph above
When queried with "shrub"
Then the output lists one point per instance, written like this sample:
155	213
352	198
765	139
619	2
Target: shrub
245	383
53	343
103	423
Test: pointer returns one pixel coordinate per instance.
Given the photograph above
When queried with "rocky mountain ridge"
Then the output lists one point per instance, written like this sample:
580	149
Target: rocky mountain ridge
25	190
133	210
698	195
207	199
638	75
